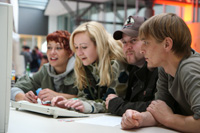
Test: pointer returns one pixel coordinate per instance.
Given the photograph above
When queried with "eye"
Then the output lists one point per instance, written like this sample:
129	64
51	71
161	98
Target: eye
84	47
76	47
145	42
124	42
59	48
49	48
133	40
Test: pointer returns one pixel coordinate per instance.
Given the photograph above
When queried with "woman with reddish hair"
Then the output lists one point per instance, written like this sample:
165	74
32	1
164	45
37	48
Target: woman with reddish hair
55	78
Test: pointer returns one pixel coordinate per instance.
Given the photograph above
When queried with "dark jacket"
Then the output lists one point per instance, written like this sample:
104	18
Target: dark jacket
140	91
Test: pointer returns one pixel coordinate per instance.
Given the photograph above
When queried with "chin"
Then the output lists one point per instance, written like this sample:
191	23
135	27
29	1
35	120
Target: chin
86	64
151	65
131	62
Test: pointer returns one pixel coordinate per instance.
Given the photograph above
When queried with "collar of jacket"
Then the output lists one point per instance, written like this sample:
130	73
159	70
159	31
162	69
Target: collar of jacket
143	72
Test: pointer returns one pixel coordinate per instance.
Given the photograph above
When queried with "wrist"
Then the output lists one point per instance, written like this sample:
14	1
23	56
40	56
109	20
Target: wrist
169	121
87	107
148	120
20	97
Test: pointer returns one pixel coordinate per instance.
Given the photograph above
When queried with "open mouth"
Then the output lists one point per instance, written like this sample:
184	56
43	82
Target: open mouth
83	58
53	59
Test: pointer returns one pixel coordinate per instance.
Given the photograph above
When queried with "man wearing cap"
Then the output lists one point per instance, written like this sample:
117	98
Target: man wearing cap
142	80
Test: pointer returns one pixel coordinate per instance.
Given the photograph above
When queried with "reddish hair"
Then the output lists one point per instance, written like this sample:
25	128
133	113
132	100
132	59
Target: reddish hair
61	37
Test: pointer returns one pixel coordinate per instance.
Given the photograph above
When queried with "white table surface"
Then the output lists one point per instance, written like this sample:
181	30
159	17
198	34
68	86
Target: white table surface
29	122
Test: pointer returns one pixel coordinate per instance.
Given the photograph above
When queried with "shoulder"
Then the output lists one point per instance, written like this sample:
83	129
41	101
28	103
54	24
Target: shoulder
44	69
70	78
189	68
118	65
191	63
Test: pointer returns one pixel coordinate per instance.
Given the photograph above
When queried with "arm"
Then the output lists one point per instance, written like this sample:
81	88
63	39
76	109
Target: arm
48	94
189	77
25	87
188	98
163	114
29	96
17	95
118	106
183	123
162	89
27	83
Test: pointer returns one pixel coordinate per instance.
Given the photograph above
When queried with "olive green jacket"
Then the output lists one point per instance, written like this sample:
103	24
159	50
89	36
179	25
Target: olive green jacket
47	78
94	96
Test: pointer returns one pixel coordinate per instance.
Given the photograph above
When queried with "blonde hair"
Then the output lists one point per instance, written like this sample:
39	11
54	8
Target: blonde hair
168	25
107	49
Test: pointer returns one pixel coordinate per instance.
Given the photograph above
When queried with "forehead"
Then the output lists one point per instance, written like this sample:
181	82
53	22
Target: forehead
53	43
125	37
82	39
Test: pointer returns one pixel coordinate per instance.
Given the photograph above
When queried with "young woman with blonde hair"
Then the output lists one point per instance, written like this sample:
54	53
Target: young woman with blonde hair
99	68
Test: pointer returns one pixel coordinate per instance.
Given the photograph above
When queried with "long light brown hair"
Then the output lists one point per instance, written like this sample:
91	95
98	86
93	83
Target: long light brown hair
107	49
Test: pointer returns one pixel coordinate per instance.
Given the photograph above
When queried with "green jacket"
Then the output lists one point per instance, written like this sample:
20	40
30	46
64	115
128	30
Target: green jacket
94	96
45	78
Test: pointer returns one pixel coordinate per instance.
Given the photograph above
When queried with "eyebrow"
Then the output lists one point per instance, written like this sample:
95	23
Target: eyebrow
129	39
142	39
81	44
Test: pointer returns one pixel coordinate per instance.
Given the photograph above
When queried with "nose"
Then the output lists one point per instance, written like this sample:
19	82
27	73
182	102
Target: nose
129	45
142	51
53	51
79	52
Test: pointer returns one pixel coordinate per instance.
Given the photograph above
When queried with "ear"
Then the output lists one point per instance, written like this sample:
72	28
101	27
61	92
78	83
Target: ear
168	43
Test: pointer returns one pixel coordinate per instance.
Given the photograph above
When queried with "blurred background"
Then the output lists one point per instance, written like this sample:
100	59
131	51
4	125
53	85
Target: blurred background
34	19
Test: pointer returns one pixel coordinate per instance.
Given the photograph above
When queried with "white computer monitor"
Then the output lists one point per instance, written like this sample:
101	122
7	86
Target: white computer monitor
6	27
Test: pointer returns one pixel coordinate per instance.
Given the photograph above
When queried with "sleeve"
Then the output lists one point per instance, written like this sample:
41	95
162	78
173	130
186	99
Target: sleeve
190	80
91	106
14	92
118	106
27	83
162	89
120	79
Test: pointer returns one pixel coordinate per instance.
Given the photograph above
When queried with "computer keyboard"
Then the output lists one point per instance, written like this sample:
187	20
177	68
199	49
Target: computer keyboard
47	110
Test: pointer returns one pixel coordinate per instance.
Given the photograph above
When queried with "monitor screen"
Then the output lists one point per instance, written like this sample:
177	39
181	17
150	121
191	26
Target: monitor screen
6	23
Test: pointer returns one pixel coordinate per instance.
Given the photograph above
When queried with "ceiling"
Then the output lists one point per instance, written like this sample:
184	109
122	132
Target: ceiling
60	7
38	4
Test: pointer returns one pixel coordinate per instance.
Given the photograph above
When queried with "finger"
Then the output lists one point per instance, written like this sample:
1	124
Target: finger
31	97
48	98
69	103
45	97
53	101
106	105
27	99
43	92
80	108
124	124
30	92
63	102
108	97
76	104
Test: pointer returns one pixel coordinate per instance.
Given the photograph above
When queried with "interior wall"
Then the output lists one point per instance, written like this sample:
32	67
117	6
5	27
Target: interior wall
32	21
